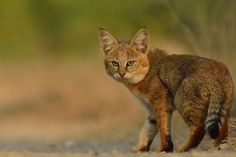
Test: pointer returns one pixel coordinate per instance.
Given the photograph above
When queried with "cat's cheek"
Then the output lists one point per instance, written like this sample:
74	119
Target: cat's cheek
132	68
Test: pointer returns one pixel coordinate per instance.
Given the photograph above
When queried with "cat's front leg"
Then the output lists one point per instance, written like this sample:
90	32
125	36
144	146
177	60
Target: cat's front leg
147	135
163	115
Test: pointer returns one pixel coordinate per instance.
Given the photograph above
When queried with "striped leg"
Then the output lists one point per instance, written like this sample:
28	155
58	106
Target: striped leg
147	134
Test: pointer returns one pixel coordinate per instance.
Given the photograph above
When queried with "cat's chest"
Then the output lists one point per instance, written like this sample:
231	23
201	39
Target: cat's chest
141	97
140	94
144	101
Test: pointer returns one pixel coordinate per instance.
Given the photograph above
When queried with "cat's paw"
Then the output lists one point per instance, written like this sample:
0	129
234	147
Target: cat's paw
165	149
180	149
140	149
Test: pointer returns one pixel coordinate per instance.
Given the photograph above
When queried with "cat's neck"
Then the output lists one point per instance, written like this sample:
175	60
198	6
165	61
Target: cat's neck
155	56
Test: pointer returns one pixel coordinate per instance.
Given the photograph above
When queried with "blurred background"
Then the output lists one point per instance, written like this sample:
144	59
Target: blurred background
53	85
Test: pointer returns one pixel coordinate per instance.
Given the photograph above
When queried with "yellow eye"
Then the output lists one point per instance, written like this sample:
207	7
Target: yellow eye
115	63
130	63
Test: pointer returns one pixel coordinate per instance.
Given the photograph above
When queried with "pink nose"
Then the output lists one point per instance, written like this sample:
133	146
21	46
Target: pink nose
121	74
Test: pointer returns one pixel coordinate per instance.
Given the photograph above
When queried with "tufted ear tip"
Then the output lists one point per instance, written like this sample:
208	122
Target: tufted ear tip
101	29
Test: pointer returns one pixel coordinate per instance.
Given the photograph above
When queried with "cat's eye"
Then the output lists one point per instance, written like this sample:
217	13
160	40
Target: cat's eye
130	63
115	63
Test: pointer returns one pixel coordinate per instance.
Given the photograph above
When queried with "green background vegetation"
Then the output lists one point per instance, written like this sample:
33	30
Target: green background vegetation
51	28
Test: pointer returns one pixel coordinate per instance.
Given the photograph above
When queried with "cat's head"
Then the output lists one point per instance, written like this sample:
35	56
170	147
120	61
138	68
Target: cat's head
126	61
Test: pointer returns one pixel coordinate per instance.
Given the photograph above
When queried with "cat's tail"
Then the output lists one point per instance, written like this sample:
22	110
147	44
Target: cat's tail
213	120
216	110
219	108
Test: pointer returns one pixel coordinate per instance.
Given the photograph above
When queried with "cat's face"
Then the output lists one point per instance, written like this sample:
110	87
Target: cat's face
126	61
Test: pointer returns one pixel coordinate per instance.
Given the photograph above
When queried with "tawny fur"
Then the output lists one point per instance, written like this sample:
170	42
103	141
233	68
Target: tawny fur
200	89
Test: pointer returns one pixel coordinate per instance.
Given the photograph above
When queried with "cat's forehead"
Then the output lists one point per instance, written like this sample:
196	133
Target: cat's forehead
123	52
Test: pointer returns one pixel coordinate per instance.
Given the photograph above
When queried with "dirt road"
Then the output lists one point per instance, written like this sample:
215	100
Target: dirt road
92	149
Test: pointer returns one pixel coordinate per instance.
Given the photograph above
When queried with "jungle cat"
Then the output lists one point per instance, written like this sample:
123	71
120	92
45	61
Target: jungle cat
200	89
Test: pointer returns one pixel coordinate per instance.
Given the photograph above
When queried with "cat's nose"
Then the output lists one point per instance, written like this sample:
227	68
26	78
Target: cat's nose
122	74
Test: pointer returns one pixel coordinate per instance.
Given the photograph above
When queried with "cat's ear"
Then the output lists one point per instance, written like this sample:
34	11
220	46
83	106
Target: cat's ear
140	41
107	41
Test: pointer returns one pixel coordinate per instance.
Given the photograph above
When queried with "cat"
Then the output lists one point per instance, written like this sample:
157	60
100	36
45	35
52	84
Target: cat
200	89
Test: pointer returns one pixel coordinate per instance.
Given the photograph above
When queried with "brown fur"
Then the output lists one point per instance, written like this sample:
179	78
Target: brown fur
200	89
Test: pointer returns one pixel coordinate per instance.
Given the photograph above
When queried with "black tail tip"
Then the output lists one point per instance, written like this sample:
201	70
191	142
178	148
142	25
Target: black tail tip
214	131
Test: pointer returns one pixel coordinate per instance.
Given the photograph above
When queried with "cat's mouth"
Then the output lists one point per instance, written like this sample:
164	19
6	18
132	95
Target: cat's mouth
121	76
126	78
117	76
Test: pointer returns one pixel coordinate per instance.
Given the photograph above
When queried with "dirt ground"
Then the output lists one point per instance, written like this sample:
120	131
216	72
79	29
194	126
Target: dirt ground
101	149
117	154
75	109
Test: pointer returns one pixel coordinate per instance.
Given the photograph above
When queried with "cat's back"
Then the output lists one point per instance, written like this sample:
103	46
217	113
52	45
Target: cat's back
173	69
193	65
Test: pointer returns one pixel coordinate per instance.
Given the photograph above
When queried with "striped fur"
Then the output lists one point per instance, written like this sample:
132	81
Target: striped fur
200	89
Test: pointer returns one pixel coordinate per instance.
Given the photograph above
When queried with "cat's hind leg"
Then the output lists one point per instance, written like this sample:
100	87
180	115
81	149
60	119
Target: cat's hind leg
195	137
191	102
223	133
224	129
194	116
